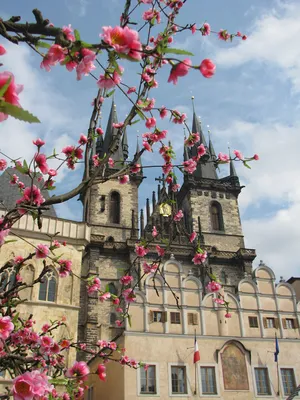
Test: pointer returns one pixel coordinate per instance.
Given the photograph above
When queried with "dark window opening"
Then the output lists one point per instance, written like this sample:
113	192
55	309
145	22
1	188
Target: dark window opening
102	204
175	318
48	287
115	211
216	217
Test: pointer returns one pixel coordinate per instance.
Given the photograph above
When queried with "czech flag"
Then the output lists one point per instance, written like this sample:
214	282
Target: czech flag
196	352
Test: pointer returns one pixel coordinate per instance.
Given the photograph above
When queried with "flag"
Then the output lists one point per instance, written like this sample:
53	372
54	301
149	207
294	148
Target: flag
196	352
276	349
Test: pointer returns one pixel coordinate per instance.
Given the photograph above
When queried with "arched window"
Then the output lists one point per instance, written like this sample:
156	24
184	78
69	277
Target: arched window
223	277
112	318
27	275
216	217
112	288
48	287
7	279
115	204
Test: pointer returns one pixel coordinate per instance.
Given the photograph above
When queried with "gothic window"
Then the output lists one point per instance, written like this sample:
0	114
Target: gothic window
112	288
7	279
112	318
27	274
102	204
216	216
223	277
115	205
48	287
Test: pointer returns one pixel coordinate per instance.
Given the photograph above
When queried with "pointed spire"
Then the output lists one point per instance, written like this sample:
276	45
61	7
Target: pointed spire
92	151
110	134
211	148
139	160
232	167
185	149
206	170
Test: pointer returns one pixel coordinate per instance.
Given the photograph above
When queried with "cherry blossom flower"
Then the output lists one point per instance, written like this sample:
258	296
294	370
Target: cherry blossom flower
2	50
38	142
18	259
41	251
118	323
129	296
52	172
207	68
147	146
6	327
99	131
255	157
32	195
213	287
238	154
116	301
201	150
41	162
192	237
228	315
149	268
160	251
14	179
68	31
101	372
199	258
190	166
123	40
178	216
154	232
11	94
141	251
193	28
105	296
179	70
94	285
108	81
123	179
219	301
78	370
31	385
56	53
135	169
126	280
205	29
3	164
223	157
223	34
82	140
150	123
118	125
131	90
163	112
65	268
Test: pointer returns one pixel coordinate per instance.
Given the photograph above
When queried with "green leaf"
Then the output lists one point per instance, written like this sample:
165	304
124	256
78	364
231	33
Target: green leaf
44	45
111	93
88	45
17	112
170	50
15	318
129	320
76	34
140	114
246	165
59	381
10	241
126	57
107	288
66	60
135	122
5	87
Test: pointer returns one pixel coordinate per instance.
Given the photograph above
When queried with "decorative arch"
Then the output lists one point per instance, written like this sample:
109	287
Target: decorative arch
27	273
206	299
232	297
172	262
287	286
250	282
115	207
7	278
216	216
142	296
157	277
235	372
48	286
265	268
194	279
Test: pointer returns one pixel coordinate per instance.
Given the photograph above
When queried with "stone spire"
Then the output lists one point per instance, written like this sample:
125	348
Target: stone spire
125	145
232	167
139	160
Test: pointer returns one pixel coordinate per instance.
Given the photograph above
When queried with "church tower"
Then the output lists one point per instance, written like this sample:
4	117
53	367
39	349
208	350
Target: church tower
111	210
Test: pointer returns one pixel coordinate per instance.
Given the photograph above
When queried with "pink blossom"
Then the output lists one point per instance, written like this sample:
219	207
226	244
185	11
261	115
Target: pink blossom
179	70
18	259
14	179
175	187
119	309
70	65
145	1
41	251
149	268
2	50
52	172
96	160
99	131
207	68
6	327
150	123
228	315
116	301
105	296
94	285
123	179
190	166
223	157
101	372
147	146
151	15
82	140
201	150
223	34
11	94
41	162
238	154
154	232
118	322
124	360
255	157
45	328
65	344
244	37
68	31
38	142
123	40
108	81
193	28
219	301
192	237
199	258
111	162
131	90
192	139
21	185
128	295
213	287
56	53
31	385
86	66
163	112
126	280
205	29
118	125
141	251
135	169
160	251
3	164
178	216
79	370
32	195
65	268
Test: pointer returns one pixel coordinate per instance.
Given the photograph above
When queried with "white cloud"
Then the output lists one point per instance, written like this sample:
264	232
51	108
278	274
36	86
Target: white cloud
271	190
273	39
78	7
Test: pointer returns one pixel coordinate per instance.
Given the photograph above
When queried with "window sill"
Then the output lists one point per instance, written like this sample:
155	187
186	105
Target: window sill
180	395
148	395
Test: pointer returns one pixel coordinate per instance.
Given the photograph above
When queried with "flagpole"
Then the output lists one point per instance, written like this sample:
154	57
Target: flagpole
278	383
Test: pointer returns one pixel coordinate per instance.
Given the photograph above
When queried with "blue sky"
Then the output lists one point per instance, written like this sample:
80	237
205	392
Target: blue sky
252	102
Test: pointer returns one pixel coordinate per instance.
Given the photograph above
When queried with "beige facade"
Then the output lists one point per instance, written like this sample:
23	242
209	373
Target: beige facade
233	350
